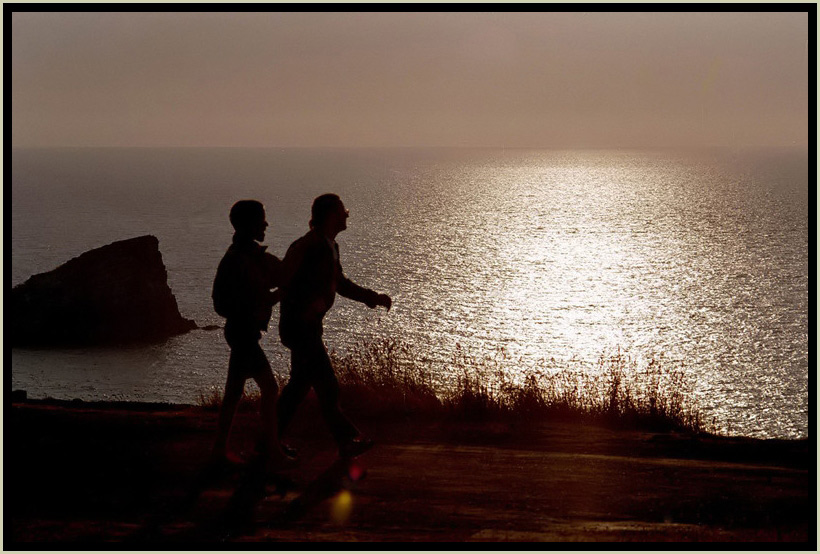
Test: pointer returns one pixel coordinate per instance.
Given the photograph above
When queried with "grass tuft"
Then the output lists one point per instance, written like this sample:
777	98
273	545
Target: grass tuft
377	379
212	400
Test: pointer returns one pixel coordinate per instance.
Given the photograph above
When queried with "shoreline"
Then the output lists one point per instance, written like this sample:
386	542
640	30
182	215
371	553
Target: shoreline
86	472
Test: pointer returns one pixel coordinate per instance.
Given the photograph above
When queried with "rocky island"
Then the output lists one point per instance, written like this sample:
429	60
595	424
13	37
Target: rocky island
112	295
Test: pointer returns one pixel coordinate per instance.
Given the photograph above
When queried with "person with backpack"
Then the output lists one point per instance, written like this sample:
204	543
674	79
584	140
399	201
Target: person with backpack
243	294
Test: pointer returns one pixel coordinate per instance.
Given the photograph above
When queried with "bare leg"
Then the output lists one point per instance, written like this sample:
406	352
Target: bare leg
326	386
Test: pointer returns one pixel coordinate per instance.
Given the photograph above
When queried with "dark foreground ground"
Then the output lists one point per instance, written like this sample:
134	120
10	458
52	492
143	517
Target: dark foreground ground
79	473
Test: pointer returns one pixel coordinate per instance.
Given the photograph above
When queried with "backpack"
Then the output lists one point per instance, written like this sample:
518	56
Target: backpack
224	290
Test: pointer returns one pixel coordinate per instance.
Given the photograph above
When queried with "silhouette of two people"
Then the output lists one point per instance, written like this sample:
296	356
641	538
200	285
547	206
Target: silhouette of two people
307	281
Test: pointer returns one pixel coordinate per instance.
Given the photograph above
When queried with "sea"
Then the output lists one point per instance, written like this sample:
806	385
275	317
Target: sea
555	258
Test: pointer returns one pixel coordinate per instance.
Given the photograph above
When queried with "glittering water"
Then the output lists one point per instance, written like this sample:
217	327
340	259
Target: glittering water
697	258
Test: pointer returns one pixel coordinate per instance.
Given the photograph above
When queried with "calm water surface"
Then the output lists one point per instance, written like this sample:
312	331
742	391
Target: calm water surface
697	258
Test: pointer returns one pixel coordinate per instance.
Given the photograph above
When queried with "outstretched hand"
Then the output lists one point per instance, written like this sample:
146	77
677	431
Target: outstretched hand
380	300
384	300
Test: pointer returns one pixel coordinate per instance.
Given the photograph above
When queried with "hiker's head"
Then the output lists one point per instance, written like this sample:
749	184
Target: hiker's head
328	214
248	219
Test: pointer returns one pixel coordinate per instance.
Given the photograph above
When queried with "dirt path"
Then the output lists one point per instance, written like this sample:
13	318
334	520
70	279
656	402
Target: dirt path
84	473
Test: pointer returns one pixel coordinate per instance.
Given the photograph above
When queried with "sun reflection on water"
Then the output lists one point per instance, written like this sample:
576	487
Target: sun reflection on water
564	256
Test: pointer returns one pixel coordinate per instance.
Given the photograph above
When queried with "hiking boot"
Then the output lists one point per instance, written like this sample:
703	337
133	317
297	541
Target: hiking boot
276	452
275	459
289	451
355	447
281	463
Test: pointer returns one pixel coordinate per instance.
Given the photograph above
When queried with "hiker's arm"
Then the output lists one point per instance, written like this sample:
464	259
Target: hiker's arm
371	298
274	297
273	267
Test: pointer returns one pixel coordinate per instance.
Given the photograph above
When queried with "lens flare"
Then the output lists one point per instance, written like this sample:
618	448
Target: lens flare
356	472
341	507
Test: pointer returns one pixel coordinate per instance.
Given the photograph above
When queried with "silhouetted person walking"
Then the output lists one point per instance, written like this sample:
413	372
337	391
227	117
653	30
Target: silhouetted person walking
313	276
242	294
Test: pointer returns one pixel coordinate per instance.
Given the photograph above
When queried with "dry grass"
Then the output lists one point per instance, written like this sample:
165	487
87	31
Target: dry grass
381	379
376	378
212	400
617	391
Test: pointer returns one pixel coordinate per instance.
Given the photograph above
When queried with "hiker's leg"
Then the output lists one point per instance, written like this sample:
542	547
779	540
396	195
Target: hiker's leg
295	391
327	390
269	389
234	387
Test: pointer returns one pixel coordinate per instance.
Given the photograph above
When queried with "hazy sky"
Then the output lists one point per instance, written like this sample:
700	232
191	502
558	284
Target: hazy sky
408	79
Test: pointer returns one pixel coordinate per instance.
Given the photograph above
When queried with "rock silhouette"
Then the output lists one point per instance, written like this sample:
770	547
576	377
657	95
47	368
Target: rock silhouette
115	294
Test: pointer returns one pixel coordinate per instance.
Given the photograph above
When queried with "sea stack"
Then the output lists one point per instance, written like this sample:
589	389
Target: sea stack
116	294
